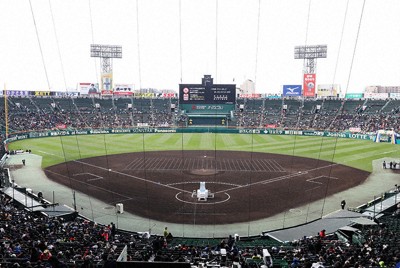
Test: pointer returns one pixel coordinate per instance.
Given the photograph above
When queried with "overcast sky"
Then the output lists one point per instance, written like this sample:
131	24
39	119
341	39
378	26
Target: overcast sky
218	37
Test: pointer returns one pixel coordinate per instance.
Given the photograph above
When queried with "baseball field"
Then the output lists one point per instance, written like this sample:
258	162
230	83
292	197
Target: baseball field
249	176
349	152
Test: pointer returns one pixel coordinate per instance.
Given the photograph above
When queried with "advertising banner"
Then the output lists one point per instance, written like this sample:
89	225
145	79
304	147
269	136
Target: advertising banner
61	126
376	95
42	93
272	96
123	89
106	84
330	90
68	94
309	83
291	90
250	96
354	95
143	128
168	95
394	95
88	88
147	95
16	93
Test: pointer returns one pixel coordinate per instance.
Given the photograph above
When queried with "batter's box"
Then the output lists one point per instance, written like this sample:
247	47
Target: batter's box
94	176
320	180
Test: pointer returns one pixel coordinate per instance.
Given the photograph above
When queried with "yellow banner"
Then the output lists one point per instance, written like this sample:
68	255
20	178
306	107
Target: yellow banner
106	83
42	93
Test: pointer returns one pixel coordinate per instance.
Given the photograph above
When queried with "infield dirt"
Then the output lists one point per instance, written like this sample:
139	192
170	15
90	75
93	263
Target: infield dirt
247	186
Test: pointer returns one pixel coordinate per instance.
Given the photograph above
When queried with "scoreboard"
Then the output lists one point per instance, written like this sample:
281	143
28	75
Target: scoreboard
207	94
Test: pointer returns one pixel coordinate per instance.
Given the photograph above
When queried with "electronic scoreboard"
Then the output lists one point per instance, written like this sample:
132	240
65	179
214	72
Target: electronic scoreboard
207	93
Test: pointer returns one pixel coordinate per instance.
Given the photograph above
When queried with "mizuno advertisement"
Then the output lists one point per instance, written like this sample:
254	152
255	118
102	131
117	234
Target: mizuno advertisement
291	90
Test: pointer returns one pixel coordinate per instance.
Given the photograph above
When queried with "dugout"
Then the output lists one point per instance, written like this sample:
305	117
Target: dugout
207	103
391	136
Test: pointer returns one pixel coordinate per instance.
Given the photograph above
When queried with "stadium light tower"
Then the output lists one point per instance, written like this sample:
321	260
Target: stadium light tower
310	54
106	53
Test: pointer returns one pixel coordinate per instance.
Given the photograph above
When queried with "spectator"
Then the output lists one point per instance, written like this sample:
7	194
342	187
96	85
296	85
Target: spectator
322	234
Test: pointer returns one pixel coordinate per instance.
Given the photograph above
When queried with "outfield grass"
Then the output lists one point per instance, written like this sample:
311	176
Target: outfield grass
351	152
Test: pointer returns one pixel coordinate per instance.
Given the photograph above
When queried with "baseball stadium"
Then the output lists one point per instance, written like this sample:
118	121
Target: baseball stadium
208	174
203	181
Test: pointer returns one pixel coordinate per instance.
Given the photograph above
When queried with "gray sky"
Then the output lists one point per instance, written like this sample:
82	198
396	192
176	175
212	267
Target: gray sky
226	50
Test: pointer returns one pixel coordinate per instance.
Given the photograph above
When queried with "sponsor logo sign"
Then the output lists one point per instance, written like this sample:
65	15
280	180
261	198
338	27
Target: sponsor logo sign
368	95
168	95
88	88
330	90
394	95
106	84
309	83
250	96
15	93
291	90
354	95
42	93
123	89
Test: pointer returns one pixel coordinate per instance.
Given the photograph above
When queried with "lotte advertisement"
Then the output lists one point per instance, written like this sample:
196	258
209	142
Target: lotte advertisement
309	83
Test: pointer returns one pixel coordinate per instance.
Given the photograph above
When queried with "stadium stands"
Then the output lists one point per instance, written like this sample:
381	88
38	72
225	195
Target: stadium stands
39	113
30	239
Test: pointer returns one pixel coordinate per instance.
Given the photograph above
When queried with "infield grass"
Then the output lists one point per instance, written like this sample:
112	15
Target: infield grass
350	152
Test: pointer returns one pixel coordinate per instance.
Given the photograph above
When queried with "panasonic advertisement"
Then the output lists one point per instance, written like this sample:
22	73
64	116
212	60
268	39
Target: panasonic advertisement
291	90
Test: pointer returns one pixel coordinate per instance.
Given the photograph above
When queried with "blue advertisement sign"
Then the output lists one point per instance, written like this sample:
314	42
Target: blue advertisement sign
291	90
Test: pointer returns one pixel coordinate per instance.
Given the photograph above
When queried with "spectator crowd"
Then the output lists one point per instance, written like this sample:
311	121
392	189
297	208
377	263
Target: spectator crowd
32	239
45	113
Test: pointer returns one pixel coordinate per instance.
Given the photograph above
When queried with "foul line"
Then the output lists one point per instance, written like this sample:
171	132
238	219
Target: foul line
315	178
94	186
128	175
223	191
96	177
278	178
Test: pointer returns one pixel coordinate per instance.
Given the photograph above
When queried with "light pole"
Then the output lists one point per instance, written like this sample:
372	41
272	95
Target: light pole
13	187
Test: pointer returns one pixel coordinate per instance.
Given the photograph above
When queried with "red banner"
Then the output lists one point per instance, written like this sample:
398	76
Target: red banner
250	96
270	126
309	83
168	95
354	129
61	126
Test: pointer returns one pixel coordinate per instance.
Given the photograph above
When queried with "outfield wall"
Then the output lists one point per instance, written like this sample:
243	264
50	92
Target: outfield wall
55	133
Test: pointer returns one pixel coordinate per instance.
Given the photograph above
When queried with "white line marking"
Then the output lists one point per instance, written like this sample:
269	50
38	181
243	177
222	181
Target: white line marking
230	189
89	184
96	177
284	177
316	187
132	176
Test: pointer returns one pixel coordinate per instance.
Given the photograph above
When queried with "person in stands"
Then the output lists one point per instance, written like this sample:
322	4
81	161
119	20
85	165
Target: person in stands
322	234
